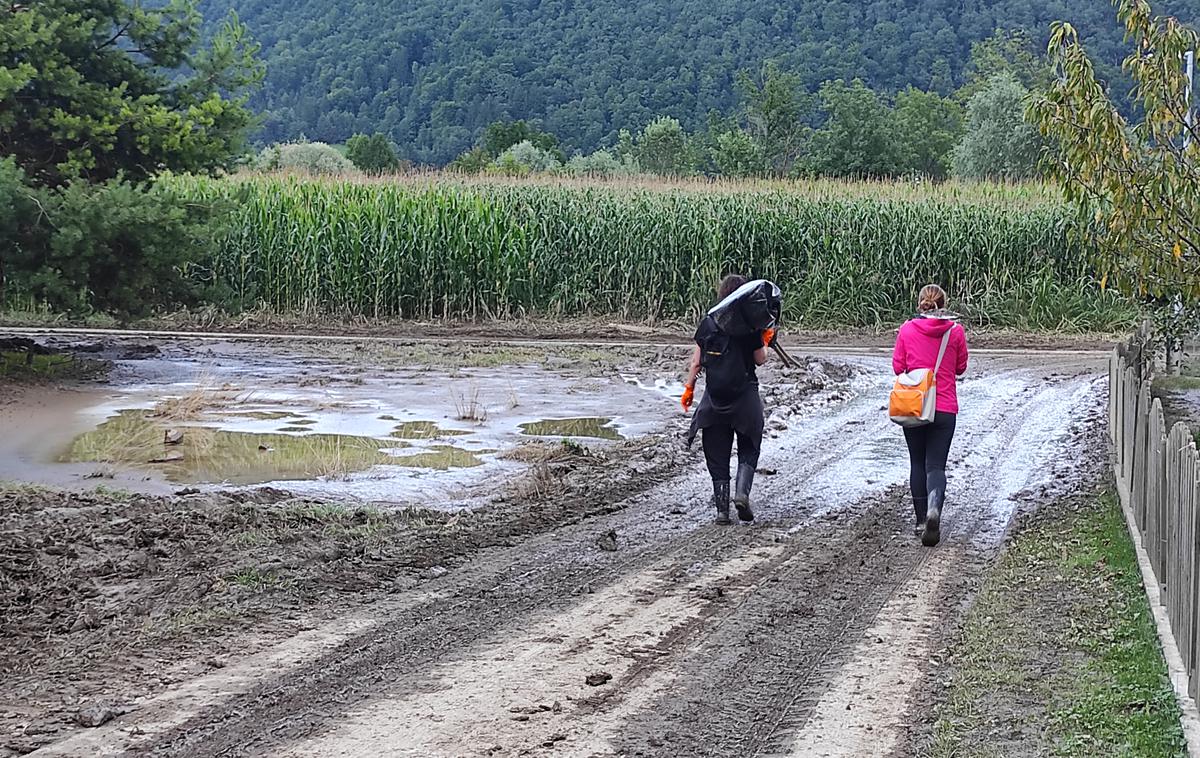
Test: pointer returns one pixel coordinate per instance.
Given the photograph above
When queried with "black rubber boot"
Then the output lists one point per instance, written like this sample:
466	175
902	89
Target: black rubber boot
919	507
721	500
741	498
933	520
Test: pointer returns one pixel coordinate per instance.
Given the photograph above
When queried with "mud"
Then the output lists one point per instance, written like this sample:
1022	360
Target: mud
476	632
267	326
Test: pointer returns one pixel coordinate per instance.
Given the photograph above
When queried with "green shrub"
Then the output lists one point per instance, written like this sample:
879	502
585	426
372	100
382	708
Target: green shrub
314	158
601	163
373	154
116	247
524	158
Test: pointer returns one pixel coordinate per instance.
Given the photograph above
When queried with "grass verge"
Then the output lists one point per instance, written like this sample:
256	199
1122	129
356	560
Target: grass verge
1059	654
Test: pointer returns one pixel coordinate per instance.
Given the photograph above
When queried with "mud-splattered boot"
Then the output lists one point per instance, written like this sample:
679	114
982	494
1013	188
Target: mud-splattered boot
741	497
919	507
721	500
933	519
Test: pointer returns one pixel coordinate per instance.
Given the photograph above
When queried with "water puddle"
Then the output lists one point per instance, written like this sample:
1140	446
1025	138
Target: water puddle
204	454
595	428
266	415
424	430
251	415
441	458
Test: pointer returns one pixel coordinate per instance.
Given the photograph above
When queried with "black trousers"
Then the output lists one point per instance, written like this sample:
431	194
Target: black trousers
928	449
718	448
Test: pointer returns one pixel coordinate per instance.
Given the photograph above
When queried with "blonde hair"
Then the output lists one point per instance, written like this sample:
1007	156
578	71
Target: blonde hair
932	298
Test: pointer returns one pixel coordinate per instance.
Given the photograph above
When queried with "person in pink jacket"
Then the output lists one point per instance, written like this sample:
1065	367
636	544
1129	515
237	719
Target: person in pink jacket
917	346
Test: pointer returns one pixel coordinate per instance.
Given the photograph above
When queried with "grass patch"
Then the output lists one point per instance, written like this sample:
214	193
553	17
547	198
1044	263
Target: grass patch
114	493
1166	383
1059	654
252	578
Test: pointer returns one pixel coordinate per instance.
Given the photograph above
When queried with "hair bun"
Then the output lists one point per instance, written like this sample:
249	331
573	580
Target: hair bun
931	298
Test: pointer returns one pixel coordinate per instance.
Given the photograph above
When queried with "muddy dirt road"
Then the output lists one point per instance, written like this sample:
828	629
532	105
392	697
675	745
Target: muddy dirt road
813	632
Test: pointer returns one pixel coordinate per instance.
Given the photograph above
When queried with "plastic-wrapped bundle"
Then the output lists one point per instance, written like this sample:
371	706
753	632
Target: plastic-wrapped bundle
750	309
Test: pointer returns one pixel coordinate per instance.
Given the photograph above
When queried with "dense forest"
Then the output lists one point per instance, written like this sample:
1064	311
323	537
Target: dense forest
432	74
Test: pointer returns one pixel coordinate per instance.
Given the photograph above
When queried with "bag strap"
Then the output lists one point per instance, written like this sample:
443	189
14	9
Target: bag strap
942	350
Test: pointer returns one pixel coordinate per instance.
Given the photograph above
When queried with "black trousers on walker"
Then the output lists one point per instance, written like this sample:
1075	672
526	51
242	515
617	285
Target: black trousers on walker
928	449
718	449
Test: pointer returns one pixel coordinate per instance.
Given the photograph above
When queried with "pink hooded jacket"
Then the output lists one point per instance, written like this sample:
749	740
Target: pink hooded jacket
917	347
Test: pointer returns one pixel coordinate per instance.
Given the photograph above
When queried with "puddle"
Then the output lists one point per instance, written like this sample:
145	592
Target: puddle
385	439
424	430
441	458
265	415
209	455
596	428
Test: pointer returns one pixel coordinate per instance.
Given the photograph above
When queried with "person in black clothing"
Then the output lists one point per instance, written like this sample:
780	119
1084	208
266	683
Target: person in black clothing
731	406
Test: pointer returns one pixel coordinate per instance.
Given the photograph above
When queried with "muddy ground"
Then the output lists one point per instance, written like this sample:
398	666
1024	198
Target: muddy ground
584	330
590	607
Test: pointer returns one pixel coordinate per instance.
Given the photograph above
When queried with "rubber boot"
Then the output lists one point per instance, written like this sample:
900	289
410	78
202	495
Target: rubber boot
741	498
933	519
721	500
919	507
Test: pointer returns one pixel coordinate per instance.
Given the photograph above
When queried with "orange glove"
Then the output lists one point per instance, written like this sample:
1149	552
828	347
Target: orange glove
689	393
768	337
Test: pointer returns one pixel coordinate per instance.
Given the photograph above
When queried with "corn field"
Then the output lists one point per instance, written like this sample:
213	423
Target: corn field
844	255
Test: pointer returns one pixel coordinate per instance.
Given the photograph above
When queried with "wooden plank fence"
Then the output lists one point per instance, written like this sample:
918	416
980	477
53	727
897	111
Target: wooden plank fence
1156	469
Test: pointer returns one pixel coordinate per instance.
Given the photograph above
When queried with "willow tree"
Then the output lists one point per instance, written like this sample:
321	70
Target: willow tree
1135	182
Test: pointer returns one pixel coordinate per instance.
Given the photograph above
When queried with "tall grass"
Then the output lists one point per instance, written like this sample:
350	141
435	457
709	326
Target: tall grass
844	254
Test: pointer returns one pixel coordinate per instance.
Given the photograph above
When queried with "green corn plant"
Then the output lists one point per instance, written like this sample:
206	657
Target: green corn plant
845	254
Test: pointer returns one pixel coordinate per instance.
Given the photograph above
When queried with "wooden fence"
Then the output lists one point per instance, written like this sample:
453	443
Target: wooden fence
1156	471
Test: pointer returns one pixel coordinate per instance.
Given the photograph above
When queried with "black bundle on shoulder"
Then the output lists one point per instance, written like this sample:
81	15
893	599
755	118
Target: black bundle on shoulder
750	309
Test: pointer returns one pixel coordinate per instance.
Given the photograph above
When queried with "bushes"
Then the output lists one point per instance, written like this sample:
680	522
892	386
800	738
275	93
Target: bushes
117	247
313	158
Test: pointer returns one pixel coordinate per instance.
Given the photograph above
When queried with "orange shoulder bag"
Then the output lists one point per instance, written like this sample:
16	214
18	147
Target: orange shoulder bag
913	401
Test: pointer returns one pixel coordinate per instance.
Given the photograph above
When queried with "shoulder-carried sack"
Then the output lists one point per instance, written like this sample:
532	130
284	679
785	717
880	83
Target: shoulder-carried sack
725	372
913	401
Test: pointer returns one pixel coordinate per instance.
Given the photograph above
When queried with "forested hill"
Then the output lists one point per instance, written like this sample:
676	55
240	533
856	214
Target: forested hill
432	73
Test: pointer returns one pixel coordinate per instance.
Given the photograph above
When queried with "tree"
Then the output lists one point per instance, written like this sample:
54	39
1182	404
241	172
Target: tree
601	163
775	105
1005	52
432	74
662	148
523	158
998	142
101	88
856	139
1136	184
501	135
926	128
373	154
97	97
315	158
473	161
736	153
